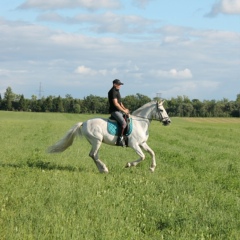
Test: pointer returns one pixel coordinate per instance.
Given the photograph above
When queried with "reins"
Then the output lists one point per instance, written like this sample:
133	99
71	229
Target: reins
150	119
142	117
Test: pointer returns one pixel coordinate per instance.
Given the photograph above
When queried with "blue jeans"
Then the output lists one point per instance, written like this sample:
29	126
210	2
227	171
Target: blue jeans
119	117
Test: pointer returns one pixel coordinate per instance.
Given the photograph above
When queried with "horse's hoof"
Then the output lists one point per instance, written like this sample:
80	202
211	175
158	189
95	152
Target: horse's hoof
105	170
151	169
128	165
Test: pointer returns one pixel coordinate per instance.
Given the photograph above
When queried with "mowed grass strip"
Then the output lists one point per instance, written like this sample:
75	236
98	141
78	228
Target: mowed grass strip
193	194
214	120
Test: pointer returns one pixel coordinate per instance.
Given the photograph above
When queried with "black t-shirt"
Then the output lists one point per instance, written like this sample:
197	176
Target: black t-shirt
112	94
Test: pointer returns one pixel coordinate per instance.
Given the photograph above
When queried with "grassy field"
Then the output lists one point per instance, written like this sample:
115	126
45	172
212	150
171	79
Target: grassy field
194	192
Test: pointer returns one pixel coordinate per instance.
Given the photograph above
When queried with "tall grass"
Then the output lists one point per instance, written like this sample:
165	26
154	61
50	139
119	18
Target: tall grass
193	193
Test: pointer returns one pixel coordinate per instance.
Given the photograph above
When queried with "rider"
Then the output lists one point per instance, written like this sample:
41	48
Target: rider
116	109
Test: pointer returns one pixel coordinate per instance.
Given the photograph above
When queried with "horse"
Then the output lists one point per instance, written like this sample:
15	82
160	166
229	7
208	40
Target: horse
95	131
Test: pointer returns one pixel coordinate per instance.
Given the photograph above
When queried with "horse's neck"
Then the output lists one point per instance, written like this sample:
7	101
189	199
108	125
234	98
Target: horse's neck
144	111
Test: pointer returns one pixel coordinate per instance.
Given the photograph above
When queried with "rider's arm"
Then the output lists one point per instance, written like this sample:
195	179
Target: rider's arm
120	106
126	110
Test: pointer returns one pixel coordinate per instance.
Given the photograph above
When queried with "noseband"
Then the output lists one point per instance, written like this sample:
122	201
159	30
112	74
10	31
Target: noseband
159	112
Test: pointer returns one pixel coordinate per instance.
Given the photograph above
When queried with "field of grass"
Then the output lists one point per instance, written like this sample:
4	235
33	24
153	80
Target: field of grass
194	192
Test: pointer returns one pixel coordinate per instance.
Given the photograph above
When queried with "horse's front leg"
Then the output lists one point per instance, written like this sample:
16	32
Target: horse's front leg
142	156
151	152
139	151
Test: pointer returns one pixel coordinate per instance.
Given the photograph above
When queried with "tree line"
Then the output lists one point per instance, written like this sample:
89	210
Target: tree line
181	106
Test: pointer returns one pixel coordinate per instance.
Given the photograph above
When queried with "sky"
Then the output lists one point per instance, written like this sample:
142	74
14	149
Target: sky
155	47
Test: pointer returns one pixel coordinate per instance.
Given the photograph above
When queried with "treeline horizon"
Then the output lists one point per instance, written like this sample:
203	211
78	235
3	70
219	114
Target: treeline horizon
181	106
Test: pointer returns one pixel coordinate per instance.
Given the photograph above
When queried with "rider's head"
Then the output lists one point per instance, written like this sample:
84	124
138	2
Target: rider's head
117	83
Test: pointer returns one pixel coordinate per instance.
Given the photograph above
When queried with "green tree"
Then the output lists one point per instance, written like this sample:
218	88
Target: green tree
68	103
48	104
1	101
91	104
236	111
208	108
77	108
133	102
197	106
171	107
142	99
22	104
58	104
8	99
33	103
187	109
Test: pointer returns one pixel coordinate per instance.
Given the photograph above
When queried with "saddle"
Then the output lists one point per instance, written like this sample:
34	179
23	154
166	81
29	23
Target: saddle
113	127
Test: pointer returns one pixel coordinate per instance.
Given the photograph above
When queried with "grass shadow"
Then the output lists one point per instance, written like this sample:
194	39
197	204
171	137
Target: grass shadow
44	166
12	165
51	166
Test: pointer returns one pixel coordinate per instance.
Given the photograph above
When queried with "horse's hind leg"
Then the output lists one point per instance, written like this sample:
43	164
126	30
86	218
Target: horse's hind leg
94	155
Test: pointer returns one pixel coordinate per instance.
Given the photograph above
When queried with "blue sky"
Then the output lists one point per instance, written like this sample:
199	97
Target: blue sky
78	47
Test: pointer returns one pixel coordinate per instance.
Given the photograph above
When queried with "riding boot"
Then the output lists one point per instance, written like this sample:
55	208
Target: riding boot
120	139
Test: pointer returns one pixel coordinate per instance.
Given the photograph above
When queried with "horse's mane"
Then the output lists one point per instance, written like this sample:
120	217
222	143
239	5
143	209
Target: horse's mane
139	110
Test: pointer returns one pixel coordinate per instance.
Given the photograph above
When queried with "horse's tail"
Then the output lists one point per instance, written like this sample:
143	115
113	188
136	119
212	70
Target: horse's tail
67	140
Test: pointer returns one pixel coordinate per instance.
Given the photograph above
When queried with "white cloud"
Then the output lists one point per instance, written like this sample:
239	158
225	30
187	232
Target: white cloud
92	72
171	39
225	7
131	67
9	72
114	71
184	88
173	73
102	23
81	42
85	70
70	39
110	22
52	17
141	3
222	36
192	89
209	84
61	4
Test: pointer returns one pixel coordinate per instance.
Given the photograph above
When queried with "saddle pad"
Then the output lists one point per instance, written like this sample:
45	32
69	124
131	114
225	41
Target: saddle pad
112	127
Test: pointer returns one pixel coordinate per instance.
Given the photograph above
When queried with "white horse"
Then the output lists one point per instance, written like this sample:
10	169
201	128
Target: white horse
95	131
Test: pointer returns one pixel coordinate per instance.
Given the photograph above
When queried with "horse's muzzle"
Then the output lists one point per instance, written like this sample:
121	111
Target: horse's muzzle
166	122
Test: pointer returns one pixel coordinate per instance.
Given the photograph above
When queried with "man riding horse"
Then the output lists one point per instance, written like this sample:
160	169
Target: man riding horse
117	109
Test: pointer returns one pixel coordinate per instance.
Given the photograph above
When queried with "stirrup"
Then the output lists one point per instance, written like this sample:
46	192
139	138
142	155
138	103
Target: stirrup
120	141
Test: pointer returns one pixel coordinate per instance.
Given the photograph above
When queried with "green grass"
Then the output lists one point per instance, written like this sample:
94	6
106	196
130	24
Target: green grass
193	193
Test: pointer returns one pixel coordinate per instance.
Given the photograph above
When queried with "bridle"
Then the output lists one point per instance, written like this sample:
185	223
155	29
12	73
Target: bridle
158	112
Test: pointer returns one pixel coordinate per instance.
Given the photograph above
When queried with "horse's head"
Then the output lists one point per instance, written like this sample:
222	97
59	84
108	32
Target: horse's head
162	114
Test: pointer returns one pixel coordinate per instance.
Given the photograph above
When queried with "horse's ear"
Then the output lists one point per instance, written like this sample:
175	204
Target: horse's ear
160	101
